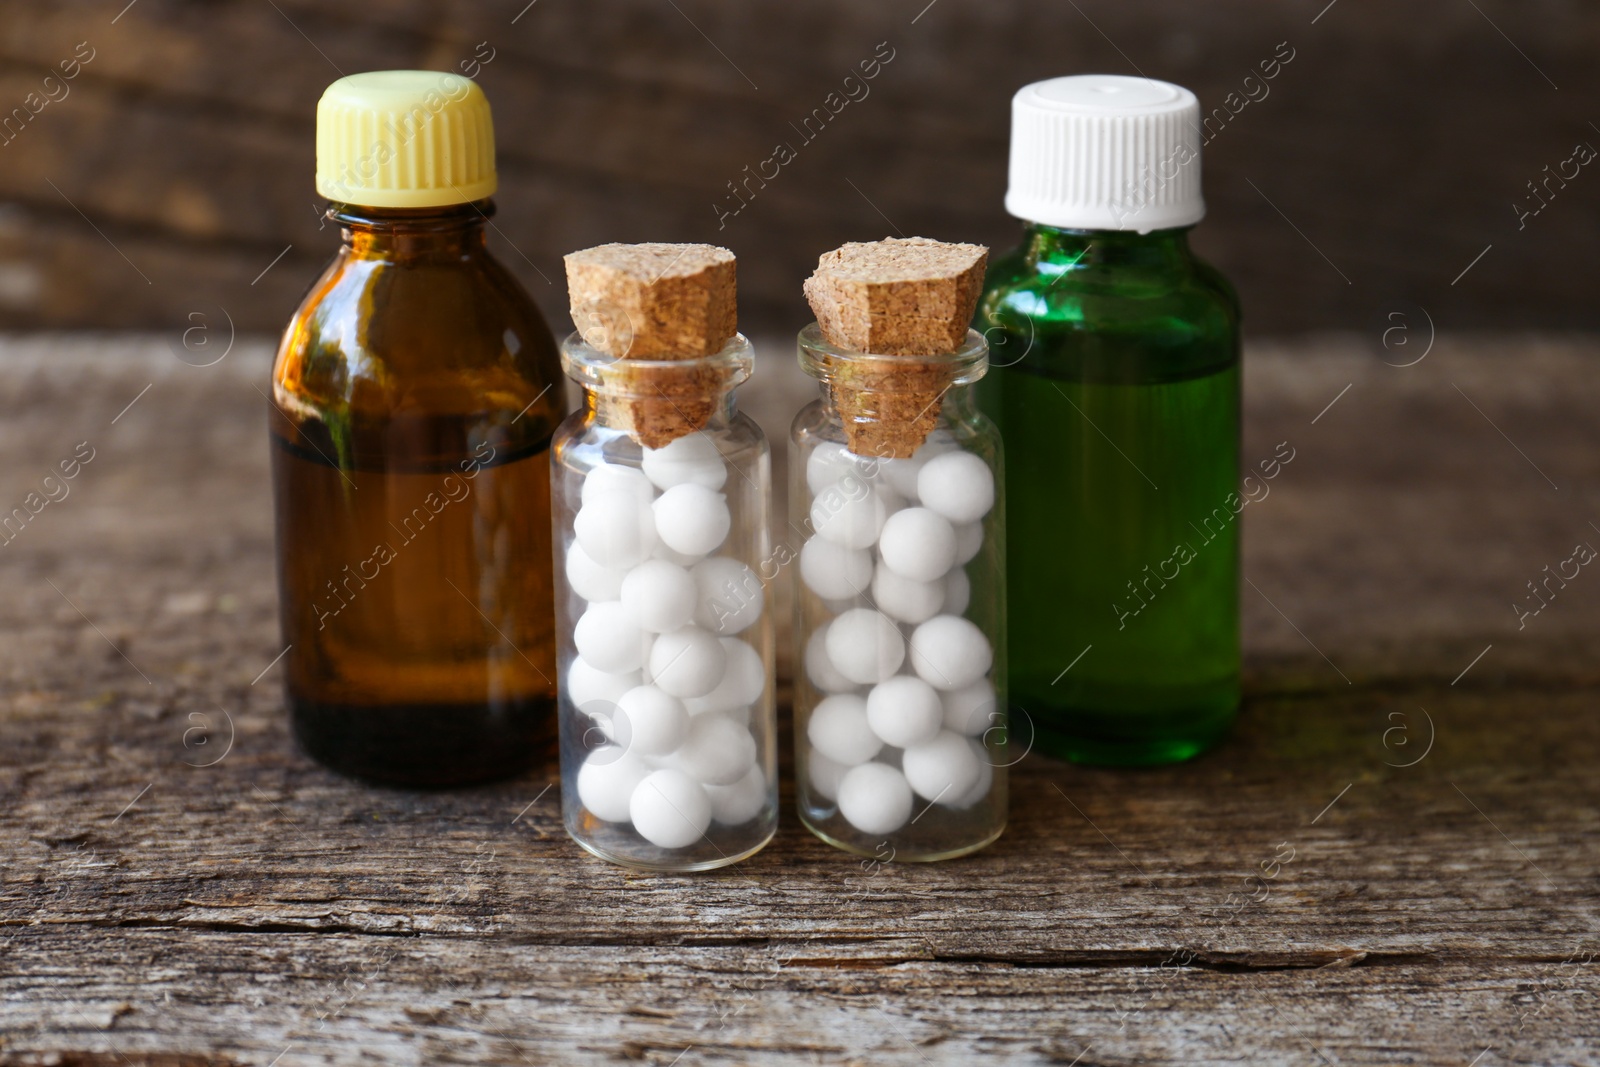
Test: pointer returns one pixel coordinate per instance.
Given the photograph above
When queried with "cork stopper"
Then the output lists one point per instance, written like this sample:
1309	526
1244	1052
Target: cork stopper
649	306
899	297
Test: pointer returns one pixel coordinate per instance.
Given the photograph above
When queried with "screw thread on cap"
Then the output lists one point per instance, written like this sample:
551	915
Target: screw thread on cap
405	139
1105	152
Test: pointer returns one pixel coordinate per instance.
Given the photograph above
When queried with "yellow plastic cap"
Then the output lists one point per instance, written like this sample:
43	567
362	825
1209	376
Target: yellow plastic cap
405	138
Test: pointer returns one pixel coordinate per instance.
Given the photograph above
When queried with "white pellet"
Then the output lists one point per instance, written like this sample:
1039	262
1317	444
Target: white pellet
902	473
608	637
906	599
717	750
741	801
849	514
606	782
670	809
649	722
610	477
949	652
918	543
692	519
874	798
958	485
729	595
587	684
661	595
687	662
865	645
744	679
615	529
839	730
820	669
590	580
830	462
943	768
981	787
691	459
970	710
904	711
834	571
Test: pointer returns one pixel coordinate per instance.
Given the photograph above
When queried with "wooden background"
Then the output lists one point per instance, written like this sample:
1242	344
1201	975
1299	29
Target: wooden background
1388	154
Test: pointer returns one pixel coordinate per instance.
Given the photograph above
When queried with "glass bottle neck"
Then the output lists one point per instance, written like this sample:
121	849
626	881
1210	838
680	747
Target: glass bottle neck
887	404
956	403
619	413
1050	247
658	401
451	232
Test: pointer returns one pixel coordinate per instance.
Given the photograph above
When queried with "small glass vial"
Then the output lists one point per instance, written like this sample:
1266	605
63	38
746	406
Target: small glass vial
1116	370
900	725
668	725
412	412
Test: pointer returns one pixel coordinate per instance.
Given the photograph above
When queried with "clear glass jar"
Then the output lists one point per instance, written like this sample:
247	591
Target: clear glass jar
664	636
901	746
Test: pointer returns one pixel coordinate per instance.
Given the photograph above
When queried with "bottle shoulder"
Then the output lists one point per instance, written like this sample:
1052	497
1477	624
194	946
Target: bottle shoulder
454	335
1118	293
1175	315
813	423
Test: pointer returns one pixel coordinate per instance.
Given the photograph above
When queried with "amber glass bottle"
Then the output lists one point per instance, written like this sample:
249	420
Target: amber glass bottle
414	400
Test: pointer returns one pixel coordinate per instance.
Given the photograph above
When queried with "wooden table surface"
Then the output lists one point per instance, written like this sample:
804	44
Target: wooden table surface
1394	860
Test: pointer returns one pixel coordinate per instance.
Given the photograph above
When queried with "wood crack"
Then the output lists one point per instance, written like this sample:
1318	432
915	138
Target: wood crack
1344	957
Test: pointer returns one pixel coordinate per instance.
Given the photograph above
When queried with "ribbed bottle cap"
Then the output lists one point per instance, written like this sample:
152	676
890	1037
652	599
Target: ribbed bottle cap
405	138
1105	152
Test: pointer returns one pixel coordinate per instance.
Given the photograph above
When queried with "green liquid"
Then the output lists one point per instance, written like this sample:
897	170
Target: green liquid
1121	432
1122	548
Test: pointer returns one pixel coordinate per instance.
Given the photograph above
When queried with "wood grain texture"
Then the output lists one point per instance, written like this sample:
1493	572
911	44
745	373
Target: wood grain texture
1392	861
1377	164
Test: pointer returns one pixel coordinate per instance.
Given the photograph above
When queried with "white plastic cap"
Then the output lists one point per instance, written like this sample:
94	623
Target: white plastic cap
1105	152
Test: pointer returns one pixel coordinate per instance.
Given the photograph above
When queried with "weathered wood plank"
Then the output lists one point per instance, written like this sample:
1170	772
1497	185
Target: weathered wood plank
154	906
263	840
337	999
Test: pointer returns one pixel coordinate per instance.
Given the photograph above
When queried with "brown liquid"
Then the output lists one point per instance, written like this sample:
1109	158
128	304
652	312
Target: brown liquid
418	603
414	397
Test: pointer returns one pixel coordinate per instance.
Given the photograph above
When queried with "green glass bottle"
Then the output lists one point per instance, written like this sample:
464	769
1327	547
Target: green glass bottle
1115	382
